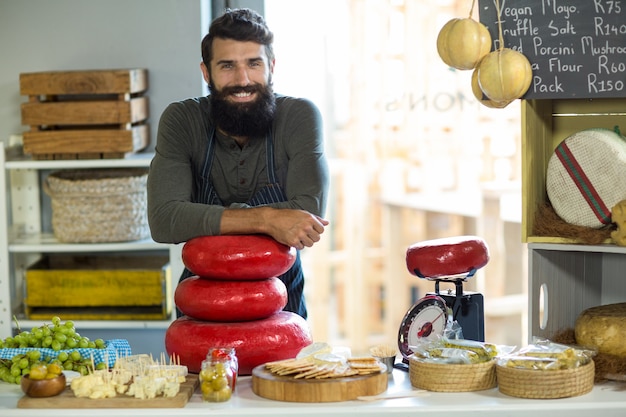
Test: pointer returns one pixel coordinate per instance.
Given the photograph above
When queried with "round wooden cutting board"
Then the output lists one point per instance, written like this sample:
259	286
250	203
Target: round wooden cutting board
285	388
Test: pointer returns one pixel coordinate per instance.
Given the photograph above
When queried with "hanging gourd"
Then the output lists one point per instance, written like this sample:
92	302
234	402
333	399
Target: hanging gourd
482	97
504	74
462	42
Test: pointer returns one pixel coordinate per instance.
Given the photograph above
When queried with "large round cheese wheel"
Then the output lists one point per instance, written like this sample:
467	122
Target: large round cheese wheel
232	257
229	301
278	337
584	179
603	327
447	257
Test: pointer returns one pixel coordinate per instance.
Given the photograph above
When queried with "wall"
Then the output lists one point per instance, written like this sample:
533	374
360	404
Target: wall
160	35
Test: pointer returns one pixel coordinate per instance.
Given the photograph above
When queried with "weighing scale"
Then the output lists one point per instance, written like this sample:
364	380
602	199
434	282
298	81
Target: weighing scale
450	261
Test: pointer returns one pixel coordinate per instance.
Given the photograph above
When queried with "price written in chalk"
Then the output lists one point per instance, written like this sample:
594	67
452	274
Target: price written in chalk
577	48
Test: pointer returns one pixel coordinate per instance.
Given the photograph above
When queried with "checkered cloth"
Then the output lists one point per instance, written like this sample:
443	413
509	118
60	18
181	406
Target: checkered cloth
114	348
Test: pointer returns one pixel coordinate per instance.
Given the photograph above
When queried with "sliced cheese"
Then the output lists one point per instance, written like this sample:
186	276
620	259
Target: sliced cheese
313	349
328	359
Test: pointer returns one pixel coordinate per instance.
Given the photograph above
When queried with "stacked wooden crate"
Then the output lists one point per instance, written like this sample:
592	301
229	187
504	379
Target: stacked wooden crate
84	287
91	114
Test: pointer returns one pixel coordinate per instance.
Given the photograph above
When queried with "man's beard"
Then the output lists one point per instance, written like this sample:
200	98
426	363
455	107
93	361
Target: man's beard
253	119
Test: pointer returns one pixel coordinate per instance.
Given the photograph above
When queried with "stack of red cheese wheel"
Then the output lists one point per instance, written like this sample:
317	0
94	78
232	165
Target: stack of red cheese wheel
235	300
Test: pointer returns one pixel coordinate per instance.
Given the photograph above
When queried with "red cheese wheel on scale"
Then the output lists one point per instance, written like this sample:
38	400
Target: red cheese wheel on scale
277	337
237	257
447	257
230	301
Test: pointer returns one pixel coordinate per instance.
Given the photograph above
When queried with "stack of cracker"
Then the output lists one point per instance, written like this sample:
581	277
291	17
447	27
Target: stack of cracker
309	368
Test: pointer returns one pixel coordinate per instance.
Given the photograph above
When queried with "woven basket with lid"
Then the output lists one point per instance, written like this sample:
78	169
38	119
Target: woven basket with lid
99	205
532	383
452	377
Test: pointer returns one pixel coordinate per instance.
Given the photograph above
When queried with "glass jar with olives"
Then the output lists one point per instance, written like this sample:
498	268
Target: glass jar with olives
218	375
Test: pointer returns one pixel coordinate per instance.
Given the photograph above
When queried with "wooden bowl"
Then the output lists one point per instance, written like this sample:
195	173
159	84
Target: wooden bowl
43	387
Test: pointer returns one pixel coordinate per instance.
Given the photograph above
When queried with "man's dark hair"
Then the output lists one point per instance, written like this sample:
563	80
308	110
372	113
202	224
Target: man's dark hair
240	25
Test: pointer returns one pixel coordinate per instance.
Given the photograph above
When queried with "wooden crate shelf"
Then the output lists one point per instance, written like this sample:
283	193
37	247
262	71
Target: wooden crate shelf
85	114
122	81
545	124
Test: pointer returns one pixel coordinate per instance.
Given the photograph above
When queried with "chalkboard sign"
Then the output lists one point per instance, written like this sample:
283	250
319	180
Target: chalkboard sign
577	48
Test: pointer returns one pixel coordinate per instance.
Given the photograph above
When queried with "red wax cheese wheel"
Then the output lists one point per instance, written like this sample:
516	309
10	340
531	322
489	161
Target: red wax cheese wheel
278	337
237	257
229	301
447	256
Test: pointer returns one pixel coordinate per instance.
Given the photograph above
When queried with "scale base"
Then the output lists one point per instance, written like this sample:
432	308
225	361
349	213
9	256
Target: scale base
468	310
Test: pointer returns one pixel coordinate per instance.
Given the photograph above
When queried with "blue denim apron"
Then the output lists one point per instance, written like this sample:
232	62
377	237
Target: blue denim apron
271	193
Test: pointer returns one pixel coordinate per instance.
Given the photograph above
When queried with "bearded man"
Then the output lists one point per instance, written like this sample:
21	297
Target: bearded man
243	160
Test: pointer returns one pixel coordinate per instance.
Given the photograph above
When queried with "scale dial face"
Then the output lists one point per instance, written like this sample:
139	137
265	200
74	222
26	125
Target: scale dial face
425	320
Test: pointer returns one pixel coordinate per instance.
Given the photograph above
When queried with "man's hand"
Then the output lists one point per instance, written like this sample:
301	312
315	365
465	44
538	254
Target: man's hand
297	228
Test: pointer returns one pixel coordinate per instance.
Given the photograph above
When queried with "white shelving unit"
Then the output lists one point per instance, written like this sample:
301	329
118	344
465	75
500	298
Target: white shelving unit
23	239
565	279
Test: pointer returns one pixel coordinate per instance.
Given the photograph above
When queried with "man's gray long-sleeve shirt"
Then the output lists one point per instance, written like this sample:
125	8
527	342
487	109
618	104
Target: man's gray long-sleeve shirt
237	173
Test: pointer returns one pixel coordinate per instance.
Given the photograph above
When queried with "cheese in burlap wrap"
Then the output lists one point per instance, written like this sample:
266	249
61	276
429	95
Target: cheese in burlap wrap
585	176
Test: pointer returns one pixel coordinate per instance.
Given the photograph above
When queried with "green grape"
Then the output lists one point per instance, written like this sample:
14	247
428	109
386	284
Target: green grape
57	329
47	341
62	338
16	370
83	343
75	356
63	356
99	343
33	355
56	345
56	320
71	343
69	324
101	366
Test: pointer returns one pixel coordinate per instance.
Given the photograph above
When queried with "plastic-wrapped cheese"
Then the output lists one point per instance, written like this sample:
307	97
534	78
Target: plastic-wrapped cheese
603	327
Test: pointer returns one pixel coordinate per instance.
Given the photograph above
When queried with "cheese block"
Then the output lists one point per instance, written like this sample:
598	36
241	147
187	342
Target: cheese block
237	257
603	327
584	176
230	301
447	257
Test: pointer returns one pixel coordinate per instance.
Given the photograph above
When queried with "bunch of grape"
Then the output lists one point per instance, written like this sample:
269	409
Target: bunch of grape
11	370
58	336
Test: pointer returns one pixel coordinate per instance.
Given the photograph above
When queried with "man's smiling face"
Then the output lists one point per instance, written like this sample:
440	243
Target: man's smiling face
240	81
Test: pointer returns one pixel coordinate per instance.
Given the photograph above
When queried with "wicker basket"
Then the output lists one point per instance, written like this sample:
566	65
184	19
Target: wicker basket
91	205
452	377
530	383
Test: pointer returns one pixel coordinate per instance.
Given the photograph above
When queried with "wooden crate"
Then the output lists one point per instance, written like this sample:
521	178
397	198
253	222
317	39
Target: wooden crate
85	114
545	123
87	287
